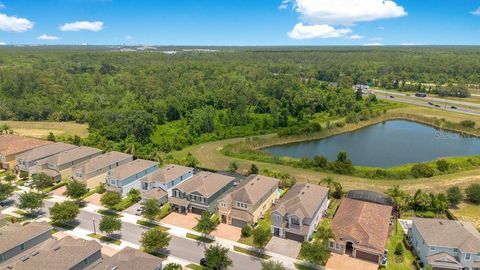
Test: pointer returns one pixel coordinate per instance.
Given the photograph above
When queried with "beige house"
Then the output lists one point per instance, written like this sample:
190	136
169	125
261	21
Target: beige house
128	259
249	201
12	145
28	160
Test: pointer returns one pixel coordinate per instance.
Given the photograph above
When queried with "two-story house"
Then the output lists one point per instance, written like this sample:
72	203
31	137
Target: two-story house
93	171
159	184
61	164
248	201
298	213
26	161
128	176
12	145
129	258
200	192
445	244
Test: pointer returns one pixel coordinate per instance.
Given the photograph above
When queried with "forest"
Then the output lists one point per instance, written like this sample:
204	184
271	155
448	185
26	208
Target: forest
150	103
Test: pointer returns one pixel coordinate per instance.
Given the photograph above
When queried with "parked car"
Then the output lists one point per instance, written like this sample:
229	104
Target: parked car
453	107
138	212
384	258
429	103
392	97
436	105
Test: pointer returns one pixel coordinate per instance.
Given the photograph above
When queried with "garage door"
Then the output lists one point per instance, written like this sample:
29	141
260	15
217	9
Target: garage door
293	236
367	256
239	223
197	210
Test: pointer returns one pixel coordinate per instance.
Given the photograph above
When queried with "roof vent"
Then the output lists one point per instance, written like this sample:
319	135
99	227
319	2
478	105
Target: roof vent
35	253
114	268
303	192
441	223
56	248
24	258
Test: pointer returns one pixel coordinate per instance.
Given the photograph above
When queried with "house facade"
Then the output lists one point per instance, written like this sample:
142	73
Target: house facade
100	165
128	176
248	202
445	244
26	161
200	192
298	213
12	145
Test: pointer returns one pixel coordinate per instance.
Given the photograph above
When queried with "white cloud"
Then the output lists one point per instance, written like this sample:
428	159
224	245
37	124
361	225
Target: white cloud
476	12
381	28
14	24
48	37
128	37
284	4
3	43
301	31
2	5
82	25
373	44
356	37
411	44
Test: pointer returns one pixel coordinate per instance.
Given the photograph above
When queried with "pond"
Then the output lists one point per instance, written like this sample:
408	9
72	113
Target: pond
386	144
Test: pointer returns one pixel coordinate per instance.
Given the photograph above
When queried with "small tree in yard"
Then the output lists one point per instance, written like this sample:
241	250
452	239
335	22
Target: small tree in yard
76	189
173	266
315	252
9	177
154	240
473	193
23	175
6	190
134	195
110	199
51	137
30	200
454	195
64	212
205	223
233	166
246	231
399	249
253	169
260	236
151	209
109	224
272	265
41	181
216	257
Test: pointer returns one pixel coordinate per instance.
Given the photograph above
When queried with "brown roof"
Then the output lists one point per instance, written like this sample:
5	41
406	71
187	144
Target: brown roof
448	233
101	161
45	151
71	155
252	189
443	259
205	183
240	214
12	235
168	173
129	258
364	222
132	168
11	144
155	193
179	201
302	200
58	254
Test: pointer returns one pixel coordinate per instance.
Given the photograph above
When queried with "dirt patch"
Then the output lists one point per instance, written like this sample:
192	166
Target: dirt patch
41	129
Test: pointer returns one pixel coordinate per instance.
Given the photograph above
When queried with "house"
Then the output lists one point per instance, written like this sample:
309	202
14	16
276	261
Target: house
128	176
130	258
361	229
98	166
61	164
200	192
15	239
445	244
298	213
12	145
248	202
27	160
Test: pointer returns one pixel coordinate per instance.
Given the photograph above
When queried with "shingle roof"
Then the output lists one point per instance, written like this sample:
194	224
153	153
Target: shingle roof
155	193
168	173
367	223
71	155
45	151
252	189
448	233
12	235
205	183
443	259
11	144
302	200
101	161
132	168
129	258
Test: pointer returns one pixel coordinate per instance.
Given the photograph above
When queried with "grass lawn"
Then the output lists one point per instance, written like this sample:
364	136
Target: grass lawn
199	238
56	186
422	214
468	212
25	214
89	193
303	267
41	129
251	252
164	211
125	203
263	223
149	224
63	226
109	213
196	267
105	239
394	262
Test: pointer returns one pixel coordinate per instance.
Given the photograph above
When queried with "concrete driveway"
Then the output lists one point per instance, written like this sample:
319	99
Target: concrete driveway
285	247
227	232
345	262
188	221
59	191
94	199
132	210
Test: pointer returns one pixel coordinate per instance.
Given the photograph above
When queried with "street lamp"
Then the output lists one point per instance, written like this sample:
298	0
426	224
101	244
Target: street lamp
94	229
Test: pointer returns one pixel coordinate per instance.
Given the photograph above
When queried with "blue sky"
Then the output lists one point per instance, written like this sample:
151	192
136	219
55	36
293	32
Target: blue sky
241	22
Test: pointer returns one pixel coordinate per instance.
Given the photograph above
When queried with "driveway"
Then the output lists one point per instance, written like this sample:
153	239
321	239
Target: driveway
287	247
345	262
132	210
94	199
188	221
59	191
227	232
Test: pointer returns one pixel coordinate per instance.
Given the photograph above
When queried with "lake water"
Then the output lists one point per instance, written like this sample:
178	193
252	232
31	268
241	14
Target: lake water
387	144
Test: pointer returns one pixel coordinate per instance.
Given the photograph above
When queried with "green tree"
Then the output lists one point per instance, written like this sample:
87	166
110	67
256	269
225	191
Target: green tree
232	166
454	195
6	190
216	257
443	165
64	212
272	265
41	181
76	189
399	249
472	193
155	240
315	252
134	195
260	236
30	200
422	170
191	161
110	199
109	224
205	223
51	137
253	169
151	209
246	231
422	200
343	165
172	266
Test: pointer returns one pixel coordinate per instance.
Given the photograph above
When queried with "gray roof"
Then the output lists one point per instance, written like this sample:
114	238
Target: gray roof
302	200
252	190
168	173
101	162
448	233
131	168
129	258
12	235
71	155
205	183
45	151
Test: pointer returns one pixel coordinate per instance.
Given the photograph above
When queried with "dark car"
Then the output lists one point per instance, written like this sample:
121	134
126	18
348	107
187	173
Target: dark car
392	97
453	107
429	103
436	105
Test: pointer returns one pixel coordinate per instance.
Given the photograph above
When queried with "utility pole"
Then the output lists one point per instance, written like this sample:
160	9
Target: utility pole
94	229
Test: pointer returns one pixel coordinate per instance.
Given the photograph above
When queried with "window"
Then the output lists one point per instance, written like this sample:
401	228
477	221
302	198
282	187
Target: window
223	204
85	261
22	246
331	244
455	250
295	221
241	205
467	256
1	258
337	246
432	248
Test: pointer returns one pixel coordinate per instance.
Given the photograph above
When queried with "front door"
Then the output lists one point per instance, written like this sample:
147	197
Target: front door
224	219
276	231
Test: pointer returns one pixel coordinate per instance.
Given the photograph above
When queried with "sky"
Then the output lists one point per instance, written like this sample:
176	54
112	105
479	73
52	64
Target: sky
240	22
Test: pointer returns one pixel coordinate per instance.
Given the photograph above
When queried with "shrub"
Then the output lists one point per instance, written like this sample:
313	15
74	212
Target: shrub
399	249
340	124
454	195
246	231
422	170
467	124
443	165
320	161
352	118
23	175
473	193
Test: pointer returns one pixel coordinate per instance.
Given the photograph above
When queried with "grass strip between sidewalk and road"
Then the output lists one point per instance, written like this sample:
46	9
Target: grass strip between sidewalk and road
105	239
199	238
196	267
111	213
150	224
252	252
